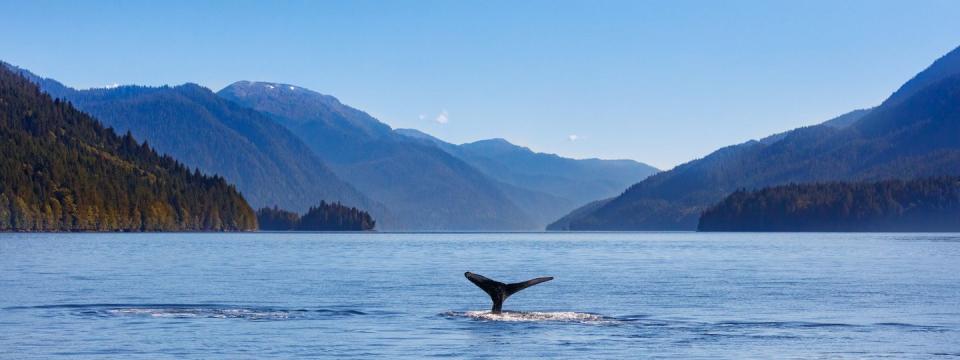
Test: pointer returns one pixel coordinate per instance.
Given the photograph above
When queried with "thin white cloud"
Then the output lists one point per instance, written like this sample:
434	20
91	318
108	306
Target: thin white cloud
443	117
112	86
423	117
572	137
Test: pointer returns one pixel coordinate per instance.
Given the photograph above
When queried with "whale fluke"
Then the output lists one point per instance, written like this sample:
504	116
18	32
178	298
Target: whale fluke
499	291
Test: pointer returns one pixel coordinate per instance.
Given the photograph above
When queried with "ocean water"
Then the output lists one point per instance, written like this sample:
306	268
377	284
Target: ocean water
616	295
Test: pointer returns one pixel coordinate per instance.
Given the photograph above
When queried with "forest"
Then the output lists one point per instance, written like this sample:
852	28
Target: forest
926	204
61	170
326	217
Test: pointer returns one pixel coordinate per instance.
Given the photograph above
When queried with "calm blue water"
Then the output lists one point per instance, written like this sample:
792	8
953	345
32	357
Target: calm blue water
647	295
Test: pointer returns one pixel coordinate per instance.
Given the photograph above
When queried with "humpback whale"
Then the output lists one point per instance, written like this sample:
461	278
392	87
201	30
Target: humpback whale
499	291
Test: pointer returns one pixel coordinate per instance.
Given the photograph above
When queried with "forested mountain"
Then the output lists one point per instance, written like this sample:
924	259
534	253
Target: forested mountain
912	134
567	183
424	187
930	204
61	170
325	217
268	164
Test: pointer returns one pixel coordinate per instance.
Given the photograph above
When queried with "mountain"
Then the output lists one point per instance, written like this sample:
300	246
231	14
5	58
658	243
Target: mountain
569	182
912	134
424	187
269	164
928	204
61	170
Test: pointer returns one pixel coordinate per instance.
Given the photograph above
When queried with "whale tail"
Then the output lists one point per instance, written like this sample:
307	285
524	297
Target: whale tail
499	291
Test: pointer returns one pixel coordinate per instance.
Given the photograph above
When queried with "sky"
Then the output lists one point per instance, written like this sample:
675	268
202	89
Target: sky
662	82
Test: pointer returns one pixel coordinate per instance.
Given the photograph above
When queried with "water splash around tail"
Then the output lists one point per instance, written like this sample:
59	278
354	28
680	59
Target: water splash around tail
533	316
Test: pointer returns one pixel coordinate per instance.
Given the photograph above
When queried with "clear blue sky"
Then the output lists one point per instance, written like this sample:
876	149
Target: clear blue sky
657	81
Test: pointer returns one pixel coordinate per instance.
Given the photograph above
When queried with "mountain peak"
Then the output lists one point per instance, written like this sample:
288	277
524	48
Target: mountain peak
190	86
496	145
497	141
292	104
246	87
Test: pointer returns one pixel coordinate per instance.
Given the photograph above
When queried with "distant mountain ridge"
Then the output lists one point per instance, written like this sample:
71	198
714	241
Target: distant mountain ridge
569	182
423	186
268	164
914	133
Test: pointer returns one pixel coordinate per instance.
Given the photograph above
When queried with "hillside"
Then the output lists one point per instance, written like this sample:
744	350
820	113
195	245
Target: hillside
268	164
424	187
913	134
61	170
930	204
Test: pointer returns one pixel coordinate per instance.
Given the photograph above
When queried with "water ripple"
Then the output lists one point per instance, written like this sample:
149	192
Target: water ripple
211	311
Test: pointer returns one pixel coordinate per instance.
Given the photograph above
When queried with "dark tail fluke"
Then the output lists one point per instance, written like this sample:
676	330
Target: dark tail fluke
499	291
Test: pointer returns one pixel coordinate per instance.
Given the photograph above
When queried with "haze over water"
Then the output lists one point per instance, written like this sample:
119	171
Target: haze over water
616	295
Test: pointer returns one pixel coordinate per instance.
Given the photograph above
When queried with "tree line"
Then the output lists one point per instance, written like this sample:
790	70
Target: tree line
326	217
926	204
